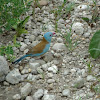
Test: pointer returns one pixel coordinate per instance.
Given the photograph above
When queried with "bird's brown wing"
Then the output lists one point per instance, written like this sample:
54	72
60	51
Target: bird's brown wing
38	48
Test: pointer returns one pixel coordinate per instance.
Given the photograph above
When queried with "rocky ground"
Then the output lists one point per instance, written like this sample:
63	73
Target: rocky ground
60	74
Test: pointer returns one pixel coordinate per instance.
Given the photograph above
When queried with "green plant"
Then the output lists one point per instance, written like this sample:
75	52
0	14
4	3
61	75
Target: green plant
10	11
41	73
70	6
8	50
94	46
70	44
95	87
57	13
64	9
95	14
89	66
80	98
20	26
36	4
95	11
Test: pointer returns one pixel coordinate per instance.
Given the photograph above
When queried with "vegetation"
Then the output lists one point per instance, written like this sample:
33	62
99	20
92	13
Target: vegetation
70	44
94	46
20	26
95	14
8	50
10	11
65	8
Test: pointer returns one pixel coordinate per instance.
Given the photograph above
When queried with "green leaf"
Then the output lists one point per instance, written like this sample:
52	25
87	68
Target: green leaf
86	19
94	46
9	50
23	31
23	22
70	7
14	39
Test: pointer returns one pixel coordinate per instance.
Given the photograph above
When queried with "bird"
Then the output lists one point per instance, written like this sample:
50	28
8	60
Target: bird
40	49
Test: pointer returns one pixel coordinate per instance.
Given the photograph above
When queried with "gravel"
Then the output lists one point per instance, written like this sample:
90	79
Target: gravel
26	90
4	68
60	74
14	76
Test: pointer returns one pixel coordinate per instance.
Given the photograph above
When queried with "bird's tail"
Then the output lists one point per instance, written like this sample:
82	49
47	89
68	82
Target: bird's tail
18	60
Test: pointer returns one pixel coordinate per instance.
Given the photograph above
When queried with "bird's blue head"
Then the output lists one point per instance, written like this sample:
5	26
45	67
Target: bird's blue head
48	36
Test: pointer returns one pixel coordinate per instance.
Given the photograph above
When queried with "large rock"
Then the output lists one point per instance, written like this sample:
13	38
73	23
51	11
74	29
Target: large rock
16	97
48	57
48	96
66	92
82	7
4	68
26	90
43	2
53	69
78	83
59	46
14	76
29	98
38	95
78	28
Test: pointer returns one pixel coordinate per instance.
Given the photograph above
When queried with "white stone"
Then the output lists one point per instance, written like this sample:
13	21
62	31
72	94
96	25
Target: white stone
31	37
60	40
29	98
4	68
46	20
25	90
48	57
26	50
66	92
53	69
34	65
30	76
23	46
50	75
86	35
37	95
58	46
89	1
48	96
37	10
91	94
39	70
73	71
78	28
43	2
66	72
45	67
90	78
50	27
25	71
6	83
16	97
41	62
27	41
82	7
51	16
50	81
14	76
61	21
79	82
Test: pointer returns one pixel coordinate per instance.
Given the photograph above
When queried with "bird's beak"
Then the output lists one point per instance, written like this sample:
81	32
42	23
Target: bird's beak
54	33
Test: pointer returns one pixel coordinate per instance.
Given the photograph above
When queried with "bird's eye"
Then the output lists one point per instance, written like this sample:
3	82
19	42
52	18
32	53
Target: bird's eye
50	35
